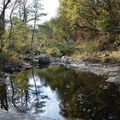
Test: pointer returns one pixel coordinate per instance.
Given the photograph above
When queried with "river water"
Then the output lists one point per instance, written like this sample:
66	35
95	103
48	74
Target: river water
61	93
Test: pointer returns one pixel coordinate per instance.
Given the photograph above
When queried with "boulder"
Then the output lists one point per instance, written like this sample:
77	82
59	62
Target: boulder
12	67
43	60
66	60
8	68
55	60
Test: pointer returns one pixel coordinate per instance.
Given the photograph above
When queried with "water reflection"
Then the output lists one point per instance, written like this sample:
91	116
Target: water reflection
3	97
60	92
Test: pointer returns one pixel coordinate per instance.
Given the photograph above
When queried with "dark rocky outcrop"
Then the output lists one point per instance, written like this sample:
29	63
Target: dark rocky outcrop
12	67
43	60
37	60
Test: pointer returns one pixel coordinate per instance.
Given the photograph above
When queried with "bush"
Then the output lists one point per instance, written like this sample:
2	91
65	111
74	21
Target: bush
91	46
53	51
64	46
58	47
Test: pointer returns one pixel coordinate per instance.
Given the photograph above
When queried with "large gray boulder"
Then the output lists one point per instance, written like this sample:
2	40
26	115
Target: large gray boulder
43	60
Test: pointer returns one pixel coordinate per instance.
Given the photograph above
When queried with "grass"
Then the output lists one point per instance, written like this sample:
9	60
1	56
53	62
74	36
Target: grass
106	56
89	51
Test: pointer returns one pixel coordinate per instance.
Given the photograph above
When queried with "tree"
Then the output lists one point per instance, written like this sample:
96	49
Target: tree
44	31
5	3
20	35
11	42
87	19
36	13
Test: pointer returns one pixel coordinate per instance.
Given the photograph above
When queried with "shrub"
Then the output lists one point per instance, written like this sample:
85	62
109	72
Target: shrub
58	47
53	51
91	46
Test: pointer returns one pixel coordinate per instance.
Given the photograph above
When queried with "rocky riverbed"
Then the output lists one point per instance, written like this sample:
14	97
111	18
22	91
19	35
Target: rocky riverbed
111	71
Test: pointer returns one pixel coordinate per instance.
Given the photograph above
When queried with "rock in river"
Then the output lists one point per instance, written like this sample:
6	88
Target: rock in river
12	67
43	60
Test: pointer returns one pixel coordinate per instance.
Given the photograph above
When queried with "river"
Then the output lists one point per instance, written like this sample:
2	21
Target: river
61	93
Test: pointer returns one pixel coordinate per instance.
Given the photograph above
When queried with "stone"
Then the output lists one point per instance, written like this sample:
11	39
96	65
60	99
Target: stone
43	60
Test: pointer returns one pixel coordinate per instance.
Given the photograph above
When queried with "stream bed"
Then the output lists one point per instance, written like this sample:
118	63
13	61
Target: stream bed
57	92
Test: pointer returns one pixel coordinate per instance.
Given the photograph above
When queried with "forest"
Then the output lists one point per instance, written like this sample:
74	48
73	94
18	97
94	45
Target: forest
82	28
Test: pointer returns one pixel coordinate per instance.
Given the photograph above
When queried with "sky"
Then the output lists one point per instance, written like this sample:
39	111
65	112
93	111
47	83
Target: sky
50	7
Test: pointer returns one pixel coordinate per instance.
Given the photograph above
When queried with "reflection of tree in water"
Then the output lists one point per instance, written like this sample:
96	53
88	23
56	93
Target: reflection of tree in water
91	101
83	95
22	96
38	104
111	99
86	104
3	96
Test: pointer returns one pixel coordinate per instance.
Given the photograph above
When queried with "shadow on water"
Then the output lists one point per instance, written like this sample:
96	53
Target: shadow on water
60	92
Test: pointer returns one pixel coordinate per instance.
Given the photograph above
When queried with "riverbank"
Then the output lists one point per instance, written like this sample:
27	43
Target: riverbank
110	69
95	65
